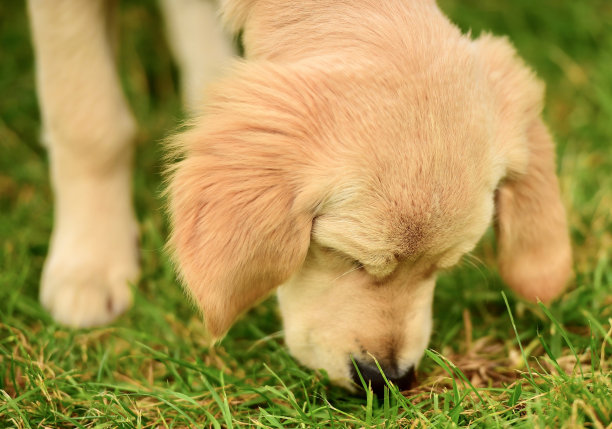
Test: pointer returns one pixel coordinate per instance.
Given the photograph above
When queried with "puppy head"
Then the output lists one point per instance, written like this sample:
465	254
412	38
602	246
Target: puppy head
350	187
410	207
366	287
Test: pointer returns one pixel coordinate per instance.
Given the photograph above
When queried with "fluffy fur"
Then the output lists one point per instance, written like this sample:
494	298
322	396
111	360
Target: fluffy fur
361	148
88	129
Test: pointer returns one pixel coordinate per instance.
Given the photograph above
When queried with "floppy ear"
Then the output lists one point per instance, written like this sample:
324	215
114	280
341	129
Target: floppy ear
240	213
534	250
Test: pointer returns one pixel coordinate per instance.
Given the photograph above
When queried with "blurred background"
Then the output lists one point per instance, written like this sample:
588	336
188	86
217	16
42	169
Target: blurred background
568	43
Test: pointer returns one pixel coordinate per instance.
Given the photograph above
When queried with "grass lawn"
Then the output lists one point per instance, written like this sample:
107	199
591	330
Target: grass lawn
492	362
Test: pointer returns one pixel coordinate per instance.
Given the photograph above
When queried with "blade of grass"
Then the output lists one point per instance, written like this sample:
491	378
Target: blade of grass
562	333
531	379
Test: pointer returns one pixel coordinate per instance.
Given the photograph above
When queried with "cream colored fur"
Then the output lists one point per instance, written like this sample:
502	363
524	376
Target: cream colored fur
88	130
360	148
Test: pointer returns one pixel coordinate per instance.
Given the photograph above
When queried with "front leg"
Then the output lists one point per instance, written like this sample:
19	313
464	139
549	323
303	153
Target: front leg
88	130
201	47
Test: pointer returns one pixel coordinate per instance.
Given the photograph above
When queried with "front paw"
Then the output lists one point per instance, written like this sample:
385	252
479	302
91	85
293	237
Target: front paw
85	296
87	283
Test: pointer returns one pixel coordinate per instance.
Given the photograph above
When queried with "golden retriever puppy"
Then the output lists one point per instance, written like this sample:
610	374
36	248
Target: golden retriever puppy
363	146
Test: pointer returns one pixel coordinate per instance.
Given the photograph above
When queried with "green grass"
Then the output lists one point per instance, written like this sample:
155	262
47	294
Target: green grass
492	362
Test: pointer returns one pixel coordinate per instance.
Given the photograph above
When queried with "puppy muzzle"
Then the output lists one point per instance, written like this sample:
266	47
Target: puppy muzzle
373	377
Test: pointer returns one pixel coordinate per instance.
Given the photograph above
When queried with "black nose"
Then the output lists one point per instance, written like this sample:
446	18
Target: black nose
372	376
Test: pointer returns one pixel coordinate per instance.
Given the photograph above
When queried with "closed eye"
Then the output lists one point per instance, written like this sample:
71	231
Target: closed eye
381	266
452	256
355	268
341	255
449	259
